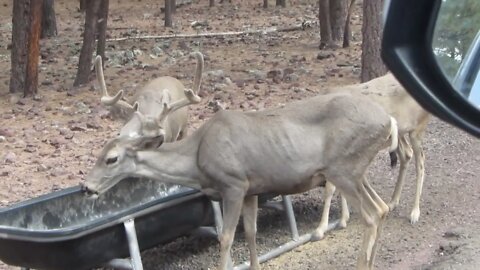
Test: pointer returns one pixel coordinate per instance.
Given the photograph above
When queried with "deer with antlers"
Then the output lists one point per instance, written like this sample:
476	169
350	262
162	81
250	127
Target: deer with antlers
153	121
237	155
412	120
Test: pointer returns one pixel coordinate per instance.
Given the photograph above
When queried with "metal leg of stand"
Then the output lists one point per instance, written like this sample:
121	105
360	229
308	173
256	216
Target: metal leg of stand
218	217
133	244
287	202
120	264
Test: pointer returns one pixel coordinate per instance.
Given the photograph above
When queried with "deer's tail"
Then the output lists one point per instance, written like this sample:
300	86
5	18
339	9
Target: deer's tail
393	141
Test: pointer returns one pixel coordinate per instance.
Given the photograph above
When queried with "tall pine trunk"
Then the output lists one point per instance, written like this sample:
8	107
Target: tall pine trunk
49	21
20	22
85	59
372	64
33	55
102	28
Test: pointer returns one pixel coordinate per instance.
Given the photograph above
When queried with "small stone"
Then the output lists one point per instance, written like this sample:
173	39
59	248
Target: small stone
77	127
324	55
42	168
9	158
58	171
2	139
7	132
93	124
30	148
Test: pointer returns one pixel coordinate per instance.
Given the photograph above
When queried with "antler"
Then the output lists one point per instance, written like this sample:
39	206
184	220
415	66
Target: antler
170	107
198	72
106	99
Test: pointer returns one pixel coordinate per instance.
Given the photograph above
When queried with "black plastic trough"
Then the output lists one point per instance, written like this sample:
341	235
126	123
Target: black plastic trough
66	230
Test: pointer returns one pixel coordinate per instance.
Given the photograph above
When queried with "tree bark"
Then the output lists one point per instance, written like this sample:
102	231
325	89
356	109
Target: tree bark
211	3
372	64
33	56
174	5
325	26
168	13
49	22
18	56
102	28
338	14
83	5
85	59
347	32
281	3
265	3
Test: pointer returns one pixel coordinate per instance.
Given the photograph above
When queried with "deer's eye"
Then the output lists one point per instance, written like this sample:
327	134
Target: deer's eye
111	160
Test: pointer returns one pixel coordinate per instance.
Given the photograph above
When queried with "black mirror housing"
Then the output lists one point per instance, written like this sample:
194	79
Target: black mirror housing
407	52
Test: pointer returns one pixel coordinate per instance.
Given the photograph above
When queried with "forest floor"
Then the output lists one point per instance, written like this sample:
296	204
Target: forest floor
52	141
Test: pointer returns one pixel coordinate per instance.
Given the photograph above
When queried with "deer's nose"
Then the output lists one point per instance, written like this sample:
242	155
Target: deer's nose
87	191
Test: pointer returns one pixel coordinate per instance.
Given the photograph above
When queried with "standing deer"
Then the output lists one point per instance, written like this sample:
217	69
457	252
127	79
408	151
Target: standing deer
237	155
412	120
149	101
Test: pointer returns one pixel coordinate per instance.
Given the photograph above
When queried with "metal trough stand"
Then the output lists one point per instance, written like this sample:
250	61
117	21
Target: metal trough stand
284	205
135	261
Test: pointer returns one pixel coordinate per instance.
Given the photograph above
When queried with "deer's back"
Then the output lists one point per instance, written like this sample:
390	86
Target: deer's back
293	143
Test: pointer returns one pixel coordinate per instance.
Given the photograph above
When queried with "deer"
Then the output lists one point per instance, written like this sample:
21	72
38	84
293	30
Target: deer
235	156
412	120
149	100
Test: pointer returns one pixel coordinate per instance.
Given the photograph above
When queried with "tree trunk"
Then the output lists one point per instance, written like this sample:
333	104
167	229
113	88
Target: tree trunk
281	3
338	14
211	3
174	5
83	5
49	22
325	26
18	56
372	64
33	56
265	3
102	28
168	13
85	59
347	32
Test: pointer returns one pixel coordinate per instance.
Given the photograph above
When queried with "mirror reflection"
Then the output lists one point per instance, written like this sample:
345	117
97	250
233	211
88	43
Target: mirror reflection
456	45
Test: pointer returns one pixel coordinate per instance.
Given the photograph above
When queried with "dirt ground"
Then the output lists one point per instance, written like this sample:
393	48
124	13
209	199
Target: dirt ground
52	141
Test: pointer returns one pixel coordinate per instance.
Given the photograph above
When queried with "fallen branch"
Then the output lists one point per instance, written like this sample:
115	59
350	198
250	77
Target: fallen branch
302	26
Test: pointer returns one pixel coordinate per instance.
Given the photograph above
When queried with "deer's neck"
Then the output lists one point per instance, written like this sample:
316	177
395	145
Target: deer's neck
174	163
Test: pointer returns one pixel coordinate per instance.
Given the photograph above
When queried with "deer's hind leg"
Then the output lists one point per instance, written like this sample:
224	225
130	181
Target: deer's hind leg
404	152
319	232
373	212
416	140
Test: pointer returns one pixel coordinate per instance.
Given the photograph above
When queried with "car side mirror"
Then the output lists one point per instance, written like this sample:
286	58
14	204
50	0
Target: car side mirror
433	48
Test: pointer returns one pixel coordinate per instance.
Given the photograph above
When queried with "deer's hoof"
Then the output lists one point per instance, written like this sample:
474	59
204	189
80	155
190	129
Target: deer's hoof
391	205
414	216
317	236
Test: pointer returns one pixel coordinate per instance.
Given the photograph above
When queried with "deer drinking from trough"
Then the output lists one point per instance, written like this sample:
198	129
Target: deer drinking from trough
237	155
412	120
149	100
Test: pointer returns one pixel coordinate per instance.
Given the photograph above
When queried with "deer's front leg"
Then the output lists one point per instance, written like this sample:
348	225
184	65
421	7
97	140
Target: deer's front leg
232	206
250	207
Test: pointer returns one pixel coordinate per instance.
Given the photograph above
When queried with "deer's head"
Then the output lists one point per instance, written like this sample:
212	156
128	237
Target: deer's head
116	161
